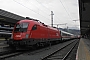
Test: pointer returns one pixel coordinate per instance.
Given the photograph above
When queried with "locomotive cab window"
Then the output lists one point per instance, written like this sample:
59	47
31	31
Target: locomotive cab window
34	27
21	27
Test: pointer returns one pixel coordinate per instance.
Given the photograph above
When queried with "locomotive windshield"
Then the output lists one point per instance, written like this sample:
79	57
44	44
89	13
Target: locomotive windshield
22	27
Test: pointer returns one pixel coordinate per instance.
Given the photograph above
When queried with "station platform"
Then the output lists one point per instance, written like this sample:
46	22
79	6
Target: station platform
83	52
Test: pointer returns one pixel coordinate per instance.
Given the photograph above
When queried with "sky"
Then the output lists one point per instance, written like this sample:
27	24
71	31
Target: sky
65	11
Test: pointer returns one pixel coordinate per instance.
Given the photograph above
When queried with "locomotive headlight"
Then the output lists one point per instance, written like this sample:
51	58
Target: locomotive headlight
27	35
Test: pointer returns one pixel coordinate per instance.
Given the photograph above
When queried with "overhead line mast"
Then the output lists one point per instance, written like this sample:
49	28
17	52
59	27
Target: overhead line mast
52	18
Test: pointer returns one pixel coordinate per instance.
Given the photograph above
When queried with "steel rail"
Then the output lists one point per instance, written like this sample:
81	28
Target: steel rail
10	55
45	58
64	58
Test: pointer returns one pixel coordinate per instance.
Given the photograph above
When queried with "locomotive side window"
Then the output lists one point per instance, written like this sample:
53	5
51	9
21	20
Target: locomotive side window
34	27
22	27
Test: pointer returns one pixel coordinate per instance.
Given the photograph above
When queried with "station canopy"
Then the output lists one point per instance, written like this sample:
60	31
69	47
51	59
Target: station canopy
84	11
9	18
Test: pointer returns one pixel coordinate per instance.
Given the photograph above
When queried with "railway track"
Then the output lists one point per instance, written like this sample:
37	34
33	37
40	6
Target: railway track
10	55
3	44
7	52
62	53
33	54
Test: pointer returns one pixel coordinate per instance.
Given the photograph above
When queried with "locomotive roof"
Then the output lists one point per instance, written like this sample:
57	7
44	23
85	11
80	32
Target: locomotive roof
37	22
28	20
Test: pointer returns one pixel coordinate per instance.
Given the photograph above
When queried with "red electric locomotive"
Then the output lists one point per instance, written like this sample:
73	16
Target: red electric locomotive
33	32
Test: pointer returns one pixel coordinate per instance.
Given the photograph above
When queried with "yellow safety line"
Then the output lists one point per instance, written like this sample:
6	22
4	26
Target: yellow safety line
87	52
81	52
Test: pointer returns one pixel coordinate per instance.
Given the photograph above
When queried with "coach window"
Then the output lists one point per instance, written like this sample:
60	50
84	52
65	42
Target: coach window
34	27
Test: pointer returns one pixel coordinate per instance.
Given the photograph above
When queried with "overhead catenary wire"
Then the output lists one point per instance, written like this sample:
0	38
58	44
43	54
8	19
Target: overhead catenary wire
46	8
43	5
38	8
30	9
65	9
58	19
